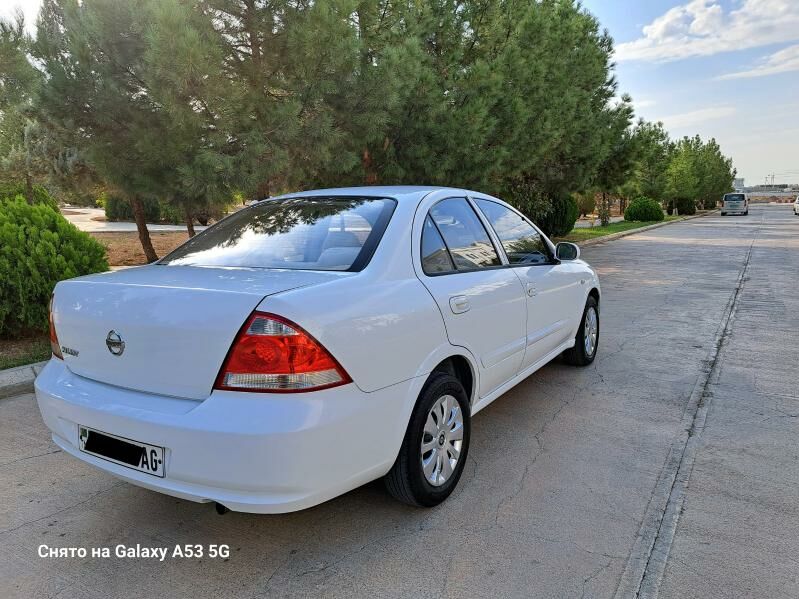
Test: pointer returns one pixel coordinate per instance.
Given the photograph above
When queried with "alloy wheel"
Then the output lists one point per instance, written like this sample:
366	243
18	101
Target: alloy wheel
590	331
442	440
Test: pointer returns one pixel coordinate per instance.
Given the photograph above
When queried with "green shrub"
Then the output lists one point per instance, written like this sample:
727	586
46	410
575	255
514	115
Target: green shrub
170	213
155	211
685	206
40	194
710	203
586	203
38	248
643	209
561	218
117	209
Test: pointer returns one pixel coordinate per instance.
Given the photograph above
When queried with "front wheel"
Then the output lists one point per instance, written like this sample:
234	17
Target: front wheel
587	339
434	449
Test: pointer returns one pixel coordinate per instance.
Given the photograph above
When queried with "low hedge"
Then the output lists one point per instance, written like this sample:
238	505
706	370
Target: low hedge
560	220
117	209
38	248
685	206
155	211
40	194
643	209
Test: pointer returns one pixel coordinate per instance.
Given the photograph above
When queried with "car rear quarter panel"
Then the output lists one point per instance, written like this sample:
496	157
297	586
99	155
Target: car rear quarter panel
381	325
380	332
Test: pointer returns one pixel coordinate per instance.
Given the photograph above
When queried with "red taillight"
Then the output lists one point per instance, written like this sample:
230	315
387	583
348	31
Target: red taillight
273	354
54	345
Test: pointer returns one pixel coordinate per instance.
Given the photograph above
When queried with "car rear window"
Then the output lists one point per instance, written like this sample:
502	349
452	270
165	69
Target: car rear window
734	197
319	233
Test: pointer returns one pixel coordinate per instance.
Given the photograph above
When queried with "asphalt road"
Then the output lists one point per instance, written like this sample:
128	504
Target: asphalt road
670	467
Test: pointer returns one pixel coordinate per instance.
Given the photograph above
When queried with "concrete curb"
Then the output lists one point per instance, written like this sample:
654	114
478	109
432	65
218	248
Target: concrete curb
613	236
19	380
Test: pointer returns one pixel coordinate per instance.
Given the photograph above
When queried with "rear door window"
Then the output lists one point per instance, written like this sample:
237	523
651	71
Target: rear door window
435	256
469	245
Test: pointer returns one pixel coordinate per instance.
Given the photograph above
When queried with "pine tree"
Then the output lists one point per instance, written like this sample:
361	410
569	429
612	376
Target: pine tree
652	151
94	56
21	159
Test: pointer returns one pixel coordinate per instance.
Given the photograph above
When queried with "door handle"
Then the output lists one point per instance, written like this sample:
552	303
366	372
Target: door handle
531	290
459	304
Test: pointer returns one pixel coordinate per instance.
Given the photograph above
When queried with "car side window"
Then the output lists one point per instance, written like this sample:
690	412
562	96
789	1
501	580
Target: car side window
522	242
465	236
435	257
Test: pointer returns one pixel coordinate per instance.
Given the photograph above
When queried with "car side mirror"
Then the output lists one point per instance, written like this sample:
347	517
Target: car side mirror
567	251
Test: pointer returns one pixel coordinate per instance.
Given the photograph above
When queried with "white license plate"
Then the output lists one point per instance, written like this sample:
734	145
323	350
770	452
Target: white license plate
119	450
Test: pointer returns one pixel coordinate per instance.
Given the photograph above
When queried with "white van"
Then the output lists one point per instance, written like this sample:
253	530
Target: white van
735	203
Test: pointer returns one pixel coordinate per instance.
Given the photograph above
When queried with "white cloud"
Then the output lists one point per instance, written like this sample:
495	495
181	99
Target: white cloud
696	117
29	9
703	28
784	61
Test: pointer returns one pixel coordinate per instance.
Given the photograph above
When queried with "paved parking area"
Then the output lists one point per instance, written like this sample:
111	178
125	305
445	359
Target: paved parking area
579	483
85	220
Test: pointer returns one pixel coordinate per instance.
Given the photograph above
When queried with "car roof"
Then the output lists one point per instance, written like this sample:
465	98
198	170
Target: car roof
398	192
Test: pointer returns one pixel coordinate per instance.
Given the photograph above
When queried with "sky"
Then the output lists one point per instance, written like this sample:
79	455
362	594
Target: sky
727	69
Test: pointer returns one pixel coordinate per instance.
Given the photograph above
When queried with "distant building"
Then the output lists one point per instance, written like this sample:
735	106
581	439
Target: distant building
738	184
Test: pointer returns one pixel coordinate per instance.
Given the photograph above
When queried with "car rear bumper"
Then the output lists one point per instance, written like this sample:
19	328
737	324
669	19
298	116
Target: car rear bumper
736	210
252	452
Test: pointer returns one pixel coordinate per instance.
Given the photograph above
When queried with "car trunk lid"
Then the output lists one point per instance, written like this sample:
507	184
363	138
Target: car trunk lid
176	322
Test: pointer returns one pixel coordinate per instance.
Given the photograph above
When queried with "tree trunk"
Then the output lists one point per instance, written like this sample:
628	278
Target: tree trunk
190	222
263	190
141	225
29	189
604	212
370	175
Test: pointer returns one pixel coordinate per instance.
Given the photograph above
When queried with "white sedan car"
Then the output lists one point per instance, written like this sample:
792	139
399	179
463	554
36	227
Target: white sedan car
311	343
796	206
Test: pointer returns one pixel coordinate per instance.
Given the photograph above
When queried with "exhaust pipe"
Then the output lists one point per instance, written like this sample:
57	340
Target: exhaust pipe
220	509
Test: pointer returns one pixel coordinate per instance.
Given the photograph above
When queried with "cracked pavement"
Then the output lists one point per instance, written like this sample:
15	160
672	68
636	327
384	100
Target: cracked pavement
560	473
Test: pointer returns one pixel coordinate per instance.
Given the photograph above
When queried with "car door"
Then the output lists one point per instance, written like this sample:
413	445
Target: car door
553	298
481	300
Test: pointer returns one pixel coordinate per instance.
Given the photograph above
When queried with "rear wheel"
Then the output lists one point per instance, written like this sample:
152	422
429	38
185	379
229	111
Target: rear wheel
433	452
587	339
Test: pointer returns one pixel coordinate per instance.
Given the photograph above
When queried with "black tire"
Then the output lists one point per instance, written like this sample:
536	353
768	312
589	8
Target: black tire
578	355
406	480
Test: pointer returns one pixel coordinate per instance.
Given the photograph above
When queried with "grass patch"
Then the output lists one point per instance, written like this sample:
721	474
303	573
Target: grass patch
18	352
584	234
